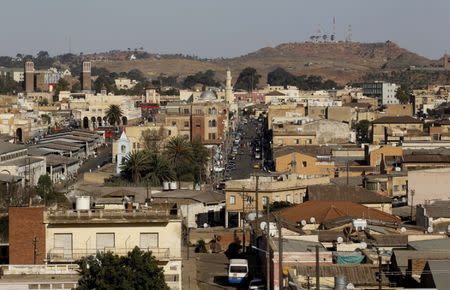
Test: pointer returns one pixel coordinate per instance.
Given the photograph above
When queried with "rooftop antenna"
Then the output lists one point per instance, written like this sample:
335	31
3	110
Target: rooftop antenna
349	33
333	36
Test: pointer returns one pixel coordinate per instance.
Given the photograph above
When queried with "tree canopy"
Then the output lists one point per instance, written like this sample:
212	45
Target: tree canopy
362	131
180	160
248	79
205	78
281	77
403	95
138	270
114	114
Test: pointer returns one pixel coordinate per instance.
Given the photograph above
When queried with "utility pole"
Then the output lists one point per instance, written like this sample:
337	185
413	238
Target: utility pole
35	252
257	195
187	231
280	254
380	277
317	269
243	219
267	247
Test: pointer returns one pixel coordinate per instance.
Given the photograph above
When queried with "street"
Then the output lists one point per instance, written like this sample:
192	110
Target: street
244	159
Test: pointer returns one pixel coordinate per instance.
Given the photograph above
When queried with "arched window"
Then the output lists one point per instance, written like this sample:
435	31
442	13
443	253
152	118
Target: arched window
123	148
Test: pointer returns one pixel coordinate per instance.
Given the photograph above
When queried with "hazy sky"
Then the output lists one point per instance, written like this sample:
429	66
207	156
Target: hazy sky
212	28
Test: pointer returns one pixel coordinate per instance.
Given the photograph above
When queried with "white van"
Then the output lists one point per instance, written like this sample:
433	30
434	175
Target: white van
237	271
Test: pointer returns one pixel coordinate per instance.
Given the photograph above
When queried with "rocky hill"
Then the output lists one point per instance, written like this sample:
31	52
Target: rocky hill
343	62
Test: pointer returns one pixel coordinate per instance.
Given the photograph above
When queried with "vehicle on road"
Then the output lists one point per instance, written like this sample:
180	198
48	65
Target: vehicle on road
256	166
256	284
237	271
257	155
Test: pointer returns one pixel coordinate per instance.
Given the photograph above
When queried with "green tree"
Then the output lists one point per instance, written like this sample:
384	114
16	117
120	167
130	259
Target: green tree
248	79
9	86
179	153
62	85
114	114
46	191
200	156
362	131
159	169
277	205
135	165
403	95
205	78
138	270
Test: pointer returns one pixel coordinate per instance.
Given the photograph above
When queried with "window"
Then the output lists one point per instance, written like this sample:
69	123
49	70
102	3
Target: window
304	163
105	241
395	187
149	241
232	199
174	123
186	124
123	148
63	245
212	123
289	198
248	200
277	198
197	124
265	200
186	111
297	141
212	136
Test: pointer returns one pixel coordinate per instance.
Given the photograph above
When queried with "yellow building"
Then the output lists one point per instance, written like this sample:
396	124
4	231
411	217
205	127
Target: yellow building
284	110
241	194
393	129
70	235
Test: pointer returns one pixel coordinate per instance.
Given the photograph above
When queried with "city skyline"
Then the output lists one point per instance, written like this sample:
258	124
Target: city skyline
211	29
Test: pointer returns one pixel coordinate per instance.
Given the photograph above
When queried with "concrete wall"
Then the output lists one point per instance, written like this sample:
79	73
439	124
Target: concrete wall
428	184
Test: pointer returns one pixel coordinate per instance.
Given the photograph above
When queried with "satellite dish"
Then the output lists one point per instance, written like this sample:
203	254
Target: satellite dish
363	245
430	230
263	226
350	286
251	216
303	223
340	240
312	220
403	229
205	225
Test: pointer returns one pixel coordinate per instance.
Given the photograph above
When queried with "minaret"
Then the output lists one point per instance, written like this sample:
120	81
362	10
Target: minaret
229	97
29	76
86	76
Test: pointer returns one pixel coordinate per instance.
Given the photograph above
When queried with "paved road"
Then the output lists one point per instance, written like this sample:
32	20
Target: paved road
244	160
212	271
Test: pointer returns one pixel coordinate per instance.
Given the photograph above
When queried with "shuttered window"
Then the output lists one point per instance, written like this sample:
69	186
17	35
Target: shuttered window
105	241
149	241
63	244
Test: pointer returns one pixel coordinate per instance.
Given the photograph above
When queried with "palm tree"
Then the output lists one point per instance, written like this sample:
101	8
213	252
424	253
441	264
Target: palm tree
179	154
135	165
159	170
114	114
200	156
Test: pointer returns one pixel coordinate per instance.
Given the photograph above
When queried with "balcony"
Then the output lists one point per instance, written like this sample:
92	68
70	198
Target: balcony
61	255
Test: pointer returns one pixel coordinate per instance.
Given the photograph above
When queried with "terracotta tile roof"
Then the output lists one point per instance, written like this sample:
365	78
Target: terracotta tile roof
325	211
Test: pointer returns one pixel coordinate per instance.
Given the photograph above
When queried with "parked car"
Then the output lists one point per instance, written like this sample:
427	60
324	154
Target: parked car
256	284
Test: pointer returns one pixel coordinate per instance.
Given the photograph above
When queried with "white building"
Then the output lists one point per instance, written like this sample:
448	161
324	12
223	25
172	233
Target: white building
384	92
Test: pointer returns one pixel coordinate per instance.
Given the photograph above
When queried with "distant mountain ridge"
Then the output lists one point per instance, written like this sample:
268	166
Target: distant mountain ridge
341	61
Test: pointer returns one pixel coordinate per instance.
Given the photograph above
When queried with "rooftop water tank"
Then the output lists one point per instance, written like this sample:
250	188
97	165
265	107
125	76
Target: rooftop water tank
173	185
166	185
83	203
